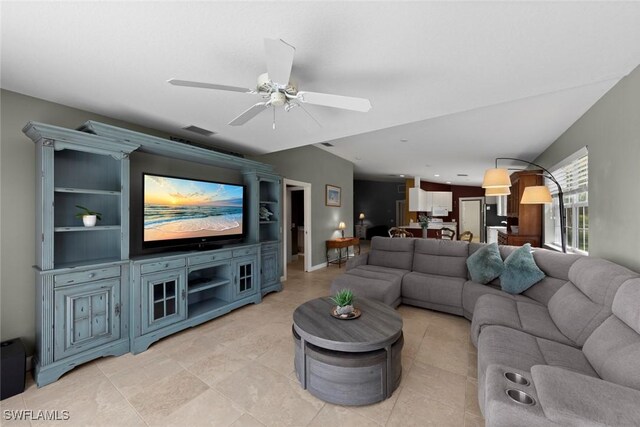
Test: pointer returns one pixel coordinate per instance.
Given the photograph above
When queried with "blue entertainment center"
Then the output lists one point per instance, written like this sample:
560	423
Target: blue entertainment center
95	299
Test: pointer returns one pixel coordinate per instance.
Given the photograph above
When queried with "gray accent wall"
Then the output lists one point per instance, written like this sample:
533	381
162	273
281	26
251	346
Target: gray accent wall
611	130
319	168
377	200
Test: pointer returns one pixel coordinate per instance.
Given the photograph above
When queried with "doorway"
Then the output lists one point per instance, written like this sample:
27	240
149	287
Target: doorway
471	213
297	227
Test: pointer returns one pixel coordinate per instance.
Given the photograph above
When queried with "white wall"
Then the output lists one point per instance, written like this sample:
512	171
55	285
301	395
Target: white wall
611	130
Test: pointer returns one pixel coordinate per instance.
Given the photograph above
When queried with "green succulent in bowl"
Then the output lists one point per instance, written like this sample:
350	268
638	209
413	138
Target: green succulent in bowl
344	301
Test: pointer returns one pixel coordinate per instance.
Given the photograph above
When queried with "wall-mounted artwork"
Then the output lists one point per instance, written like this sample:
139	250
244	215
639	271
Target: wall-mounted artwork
333	195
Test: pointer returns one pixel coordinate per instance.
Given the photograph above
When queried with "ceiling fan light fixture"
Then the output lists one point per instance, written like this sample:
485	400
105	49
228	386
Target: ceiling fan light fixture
278	99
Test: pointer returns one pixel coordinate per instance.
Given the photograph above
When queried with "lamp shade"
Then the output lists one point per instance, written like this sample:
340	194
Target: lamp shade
535	195
361	215
498	177
342	225
497	191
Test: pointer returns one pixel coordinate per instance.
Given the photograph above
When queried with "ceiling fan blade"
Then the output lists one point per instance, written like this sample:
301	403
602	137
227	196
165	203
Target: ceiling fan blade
248	114
336	101
189	83
279	60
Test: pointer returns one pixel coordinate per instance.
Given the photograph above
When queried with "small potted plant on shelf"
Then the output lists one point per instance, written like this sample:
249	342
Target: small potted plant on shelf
89	217
344	302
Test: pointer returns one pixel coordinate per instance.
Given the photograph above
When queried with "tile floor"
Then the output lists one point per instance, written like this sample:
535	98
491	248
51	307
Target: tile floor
237	370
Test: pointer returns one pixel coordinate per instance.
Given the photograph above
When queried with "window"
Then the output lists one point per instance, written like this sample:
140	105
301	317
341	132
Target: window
573	176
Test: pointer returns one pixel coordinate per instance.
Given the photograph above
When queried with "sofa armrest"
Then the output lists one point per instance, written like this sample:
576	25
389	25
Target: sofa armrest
357	260
570	398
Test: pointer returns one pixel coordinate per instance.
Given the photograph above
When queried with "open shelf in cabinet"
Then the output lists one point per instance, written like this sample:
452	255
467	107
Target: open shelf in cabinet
102	201
80	247
208	288
81	228
203	284
86	191
205	306
79	169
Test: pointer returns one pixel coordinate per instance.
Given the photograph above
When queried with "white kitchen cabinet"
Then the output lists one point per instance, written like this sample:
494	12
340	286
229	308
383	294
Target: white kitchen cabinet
440	199
418	200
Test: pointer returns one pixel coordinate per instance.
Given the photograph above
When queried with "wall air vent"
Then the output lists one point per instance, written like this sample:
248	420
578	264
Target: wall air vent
199	130
327	144
205	146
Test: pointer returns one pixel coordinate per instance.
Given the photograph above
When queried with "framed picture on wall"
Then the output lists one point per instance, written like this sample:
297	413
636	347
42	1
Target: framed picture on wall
333	195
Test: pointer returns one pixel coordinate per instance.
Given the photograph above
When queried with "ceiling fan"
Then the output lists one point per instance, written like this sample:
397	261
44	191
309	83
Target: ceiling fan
276	89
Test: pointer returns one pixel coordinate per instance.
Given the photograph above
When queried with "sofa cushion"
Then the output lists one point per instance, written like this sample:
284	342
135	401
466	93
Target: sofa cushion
626	304
384	287
382	270
521	314
441	257
432	288
569	398
614	347
519	350
520	271
582	304
392	253
471	291
485	264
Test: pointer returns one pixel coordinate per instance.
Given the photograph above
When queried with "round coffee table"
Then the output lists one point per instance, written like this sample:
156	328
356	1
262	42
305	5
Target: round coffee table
348	362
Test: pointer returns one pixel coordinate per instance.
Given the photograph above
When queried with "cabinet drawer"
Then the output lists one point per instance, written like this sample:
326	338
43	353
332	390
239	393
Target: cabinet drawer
152	267
245	251
86	276
201	259
270	247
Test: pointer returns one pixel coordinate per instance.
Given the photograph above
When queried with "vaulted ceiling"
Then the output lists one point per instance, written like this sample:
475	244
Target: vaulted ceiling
453	84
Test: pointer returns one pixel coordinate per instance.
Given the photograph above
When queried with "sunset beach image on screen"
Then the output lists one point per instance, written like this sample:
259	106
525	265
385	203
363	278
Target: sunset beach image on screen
176	208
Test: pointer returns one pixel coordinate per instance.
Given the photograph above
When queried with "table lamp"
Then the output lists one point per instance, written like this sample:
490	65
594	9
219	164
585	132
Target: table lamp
341	227
361	218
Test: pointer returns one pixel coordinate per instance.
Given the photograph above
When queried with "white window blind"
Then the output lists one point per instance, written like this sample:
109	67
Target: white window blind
572	174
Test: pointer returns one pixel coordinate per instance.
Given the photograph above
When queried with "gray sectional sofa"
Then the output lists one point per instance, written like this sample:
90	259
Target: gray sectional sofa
573	338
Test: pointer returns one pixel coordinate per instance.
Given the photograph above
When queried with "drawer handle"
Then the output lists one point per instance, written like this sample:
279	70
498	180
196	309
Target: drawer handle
92	275
166	265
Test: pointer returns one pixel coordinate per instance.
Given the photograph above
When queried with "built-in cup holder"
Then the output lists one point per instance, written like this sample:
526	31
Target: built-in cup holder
516	378
520	397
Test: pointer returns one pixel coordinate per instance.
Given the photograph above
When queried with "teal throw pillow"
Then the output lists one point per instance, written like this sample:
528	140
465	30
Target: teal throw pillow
520	271
485	264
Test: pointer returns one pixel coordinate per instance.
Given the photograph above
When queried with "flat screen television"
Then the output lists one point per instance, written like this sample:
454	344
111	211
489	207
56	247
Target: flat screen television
184	211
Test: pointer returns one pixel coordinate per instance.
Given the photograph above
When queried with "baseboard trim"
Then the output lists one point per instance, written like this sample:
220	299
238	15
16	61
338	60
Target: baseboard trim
318	266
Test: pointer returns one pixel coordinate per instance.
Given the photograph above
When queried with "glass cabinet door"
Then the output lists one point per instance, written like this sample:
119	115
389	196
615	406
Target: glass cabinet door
165	297
246	279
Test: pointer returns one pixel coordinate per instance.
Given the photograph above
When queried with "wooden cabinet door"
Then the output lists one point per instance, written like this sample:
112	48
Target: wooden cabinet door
269	267
163	299
86	316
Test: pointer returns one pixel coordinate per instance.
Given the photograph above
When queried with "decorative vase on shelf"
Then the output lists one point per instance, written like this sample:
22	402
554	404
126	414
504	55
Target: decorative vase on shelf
88	216
89	220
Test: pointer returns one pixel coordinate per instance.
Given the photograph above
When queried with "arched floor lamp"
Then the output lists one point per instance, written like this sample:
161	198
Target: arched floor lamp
497	183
